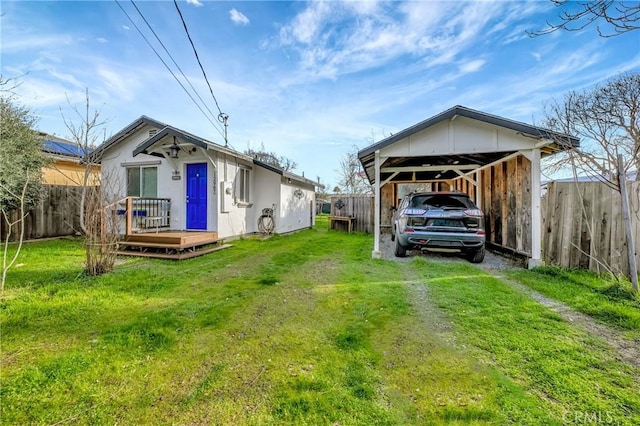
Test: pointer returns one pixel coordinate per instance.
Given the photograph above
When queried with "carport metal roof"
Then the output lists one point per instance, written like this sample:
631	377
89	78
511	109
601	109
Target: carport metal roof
445	163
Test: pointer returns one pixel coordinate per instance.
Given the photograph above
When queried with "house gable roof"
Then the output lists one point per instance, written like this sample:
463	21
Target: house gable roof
462	111
134	126
144	147
165	130
408	158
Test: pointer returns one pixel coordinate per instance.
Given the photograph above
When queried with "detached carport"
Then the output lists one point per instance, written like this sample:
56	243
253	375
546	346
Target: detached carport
493	159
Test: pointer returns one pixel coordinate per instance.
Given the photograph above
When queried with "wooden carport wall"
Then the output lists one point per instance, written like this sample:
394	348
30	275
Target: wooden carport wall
506	201
507	189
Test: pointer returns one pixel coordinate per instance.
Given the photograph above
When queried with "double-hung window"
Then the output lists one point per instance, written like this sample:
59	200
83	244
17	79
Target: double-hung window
142	182
244	186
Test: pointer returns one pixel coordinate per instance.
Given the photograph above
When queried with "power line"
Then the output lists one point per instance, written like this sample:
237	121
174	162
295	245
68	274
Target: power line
169	69
222	116
171	57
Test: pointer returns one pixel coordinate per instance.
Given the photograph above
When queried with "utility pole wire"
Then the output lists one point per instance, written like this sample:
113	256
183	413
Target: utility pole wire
171	57
186	30
169	69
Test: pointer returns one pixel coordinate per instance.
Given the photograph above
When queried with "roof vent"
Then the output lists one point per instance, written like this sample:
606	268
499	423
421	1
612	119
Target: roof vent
152	132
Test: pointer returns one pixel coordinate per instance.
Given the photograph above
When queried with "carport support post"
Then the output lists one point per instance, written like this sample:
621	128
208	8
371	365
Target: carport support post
376	254
536	214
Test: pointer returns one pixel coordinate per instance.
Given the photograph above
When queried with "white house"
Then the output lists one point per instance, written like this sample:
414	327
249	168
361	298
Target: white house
206	186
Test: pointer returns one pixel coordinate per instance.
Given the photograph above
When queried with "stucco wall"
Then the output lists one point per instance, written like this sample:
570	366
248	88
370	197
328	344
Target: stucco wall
296	206
235	219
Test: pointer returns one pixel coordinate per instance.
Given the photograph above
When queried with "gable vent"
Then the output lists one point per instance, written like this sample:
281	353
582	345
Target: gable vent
153	132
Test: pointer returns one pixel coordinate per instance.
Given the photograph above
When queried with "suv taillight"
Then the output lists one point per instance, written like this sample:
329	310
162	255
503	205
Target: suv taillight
474	212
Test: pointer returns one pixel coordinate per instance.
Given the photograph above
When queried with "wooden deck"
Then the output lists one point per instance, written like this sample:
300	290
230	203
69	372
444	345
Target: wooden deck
175	245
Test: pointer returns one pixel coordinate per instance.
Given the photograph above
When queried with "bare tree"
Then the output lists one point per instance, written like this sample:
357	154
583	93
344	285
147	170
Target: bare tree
19	221
86	134
607	120
101	224
352	178
98	212
612	17
271	158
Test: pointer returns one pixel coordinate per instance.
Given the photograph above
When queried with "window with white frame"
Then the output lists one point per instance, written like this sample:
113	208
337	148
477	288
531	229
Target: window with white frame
142	182
243	186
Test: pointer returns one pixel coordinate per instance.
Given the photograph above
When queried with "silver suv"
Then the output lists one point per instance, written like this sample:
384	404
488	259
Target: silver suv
439	220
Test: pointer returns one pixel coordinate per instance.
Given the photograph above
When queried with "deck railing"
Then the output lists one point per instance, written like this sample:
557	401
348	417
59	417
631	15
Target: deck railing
144	214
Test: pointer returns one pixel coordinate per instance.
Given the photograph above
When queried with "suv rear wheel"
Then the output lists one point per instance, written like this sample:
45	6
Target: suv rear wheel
476	256
400	251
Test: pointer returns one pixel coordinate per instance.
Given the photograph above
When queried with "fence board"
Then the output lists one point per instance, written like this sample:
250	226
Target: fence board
586	217
358	206
57	214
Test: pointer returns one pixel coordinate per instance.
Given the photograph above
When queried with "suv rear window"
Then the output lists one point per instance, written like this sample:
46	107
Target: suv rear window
442	201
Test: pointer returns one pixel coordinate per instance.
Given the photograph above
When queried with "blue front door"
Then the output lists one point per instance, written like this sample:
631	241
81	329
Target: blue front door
197	196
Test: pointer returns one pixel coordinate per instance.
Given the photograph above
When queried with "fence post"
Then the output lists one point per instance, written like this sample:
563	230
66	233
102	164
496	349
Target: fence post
633	267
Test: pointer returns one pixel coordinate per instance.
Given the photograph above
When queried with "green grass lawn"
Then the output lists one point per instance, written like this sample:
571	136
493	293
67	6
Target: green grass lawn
297	329
603	298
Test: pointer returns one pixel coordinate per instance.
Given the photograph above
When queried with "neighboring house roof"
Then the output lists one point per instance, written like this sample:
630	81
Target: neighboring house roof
462	111
67	149
59	147
630	176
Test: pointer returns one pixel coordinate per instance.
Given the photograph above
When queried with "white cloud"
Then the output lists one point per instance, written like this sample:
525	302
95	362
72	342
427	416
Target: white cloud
307	24
472	66
122	86
196	3
24	42
238	18
334	39
102	40
126	27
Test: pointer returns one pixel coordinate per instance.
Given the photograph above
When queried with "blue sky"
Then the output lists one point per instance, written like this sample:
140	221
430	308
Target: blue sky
309	80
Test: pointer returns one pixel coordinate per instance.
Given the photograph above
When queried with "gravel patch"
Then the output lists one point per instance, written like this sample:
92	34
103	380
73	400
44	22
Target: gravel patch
491	261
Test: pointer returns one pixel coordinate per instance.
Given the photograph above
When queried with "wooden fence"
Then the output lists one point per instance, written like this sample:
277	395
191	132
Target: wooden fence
57	214
583	228
358	206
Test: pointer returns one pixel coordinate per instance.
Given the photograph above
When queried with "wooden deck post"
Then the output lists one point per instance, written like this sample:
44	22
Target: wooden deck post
129	221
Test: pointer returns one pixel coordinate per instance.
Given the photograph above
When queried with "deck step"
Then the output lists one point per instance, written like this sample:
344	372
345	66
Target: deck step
172	246
173	256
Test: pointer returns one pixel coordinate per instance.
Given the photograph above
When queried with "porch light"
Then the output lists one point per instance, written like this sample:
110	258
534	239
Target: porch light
173	150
